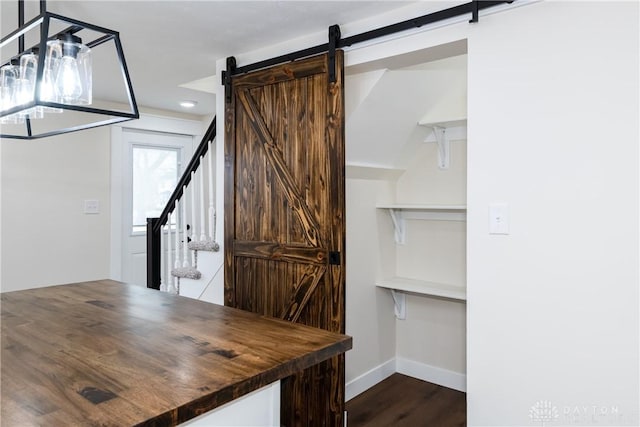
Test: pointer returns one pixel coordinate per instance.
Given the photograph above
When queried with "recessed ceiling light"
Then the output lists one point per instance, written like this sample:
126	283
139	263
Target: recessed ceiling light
188	104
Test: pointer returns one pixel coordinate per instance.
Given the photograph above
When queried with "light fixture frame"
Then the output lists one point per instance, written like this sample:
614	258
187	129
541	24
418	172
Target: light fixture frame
44	20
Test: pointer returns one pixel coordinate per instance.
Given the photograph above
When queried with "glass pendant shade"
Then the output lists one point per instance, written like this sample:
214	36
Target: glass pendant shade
28	74
66	79
48	90
73	79
8	83
26	85
56	75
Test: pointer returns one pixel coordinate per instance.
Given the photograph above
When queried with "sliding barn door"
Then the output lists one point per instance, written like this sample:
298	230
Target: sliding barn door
284	215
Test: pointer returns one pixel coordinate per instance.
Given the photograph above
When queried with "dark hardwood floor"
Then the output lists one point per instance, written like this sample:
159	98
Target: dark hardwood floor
402	401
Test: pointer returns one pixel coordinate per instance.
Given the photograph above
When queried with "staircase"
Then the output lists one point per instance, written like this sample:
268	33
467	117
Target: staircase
183	255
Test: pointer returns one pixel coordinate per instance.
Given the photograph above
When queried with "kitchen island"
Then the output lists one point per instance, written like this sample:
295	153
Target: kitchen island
107	353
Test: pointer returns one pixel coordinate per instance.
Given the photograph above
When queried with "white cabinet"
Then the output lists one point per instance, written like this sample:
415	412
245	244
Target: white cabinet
260	408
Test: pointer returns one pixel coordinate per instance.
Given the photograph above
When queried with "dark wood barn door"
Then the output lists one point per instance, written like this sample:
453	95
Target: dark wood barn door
284	215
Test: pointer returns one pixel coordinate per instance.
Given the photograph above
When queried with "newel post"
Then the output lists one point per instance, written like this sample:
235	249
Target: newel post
153	253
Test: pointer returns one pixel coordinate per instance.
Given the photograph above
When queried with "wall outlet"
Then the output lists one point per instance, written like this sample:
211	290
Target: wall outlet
91	207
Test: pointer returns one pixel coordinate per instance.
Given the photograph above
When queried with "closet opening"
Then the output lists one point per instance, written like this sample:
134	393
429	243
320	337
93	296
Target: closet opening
406	170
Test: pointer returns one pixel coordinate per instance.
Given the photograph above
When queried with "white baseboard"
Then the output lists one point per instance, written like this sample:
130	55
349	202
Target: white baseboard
369	379
432	374
411	368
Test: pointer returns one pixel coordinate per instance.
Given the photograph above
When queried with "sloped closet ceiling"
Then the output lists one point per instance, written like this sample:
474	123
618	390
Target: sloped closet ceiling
384	107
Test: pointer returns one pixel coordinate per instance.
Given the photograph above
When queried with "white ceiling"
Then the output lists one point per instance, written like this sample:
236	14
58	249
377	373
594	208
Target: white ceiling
171	43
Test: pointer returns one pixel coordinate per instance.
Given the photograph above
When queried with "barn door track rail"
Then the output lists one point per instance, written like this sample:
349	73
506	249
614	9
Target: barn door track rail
336	42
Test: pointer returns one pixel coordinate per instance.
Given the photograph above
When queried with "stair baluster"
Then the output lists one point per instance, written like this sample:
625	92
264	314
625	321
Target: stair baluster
212	209
167	284
177	264
185	235
203	232
194	232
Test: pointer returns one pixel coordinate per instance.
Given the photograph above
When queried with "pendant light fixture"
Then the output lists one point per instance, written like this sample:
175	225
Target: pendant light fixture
56	74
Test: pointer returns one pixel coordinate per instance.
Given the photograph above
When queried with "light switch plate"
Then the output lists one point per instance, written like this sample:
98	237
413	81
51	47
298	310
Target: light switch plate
499	218
91	206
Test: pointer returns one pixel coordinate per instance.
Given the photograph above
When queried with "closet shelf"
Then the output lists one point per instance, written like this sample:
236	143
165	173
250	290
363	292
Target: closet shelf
423	287
373	172
448	123
400	212
421	207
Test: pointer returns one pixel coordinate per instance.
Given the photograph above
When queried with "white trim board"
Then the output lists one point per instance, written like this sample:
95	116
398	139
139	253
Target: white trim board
432	374
370	378
411	368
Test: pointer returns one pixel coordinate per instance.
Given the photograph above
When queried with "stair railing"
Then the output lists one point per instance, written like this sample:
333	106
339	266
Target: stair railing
171	214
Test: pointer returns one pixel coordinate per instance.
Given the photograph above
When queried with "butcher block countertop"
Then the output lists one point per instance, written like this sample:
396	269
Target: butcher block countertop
107	353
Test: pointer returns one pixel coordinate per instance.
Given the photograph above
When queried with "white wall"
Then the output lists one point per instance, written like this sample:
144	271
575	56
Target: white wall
46	237
369	313
553	131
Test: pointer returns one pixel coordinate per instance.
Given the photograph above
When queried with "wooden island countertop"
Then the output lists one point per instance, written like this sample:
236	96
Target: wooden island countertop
106	353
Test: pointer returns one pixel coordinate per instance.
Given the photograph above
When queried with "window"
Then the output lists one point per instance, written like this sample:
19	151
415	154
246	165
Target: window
155	176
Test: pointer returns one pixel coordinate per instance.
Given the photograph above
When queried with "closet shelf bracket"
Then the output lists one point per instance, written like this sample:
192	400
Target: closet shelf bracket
399	225
400	304
442	140
442	132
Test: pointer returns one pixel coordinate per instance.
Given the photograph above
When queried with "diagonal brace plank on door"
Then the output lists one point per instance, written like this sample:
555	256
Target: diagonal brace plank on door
299	206
303	291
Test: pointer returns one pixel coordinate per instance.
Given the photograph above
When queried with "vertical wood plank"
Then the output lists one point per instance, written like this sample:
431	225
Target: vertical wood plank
229	202
335	137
